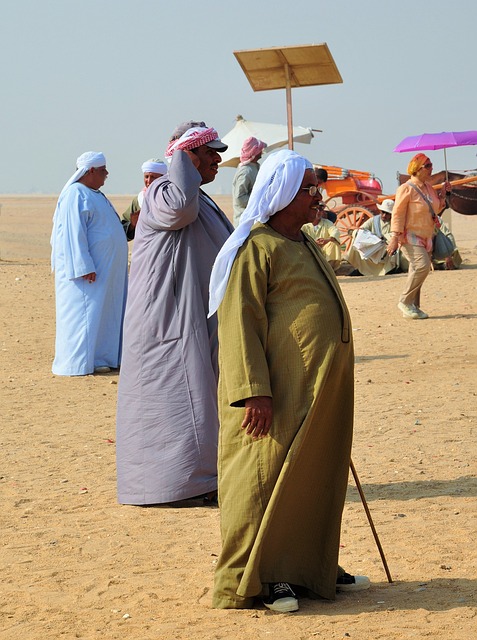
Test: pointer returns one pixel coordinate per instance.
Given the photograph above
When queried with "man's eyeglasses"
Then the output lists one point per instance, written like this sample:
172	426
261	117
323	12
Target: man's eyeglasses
313	190
428	165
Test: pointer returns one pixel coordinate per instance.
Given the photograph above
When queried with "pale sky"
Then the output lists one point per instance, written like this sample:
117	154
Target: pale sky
117	76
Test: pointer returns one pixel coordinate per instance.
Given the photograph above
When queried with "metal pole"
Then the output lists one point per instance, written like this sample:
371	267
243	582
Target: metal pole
370	520
289	106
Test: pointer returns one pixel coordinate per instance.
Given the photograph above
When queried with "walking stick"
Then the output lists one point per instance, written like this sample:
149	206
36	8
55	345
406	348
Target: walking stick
370	520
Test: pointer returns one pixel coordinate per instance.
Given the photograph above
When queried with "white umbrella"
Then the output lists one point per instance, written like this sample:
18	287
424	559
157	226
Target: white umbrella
275	135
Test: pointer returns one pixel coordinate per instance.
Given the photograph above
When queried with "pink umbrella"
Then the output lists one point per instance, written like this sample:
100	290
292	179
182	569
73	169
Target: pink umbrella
432	141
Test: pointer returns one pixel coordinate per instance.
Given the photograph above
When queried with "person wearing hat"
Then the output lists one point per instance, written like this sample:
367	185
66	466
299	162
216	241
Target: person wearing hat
246	174
167	423
375	232
327	237
413	224
89	256
151	170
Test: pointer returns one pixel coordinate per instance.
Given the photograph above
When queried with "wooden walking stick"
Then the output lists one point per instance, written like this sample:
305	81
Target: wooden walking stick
370	520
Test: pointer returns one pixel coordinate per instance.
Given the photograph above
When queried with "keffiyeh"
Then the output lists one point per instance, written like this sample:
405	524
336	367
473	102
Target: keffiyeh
251	148
191	139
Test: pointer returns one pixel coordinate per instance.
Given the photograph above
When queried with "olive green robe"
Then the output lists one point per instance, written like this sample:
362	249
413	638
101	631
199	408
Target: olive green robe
284	332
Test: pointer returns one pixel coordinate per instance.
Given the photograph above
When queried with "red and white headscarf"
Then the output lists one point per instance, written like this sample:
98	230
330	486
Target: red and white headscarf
191	139
250	149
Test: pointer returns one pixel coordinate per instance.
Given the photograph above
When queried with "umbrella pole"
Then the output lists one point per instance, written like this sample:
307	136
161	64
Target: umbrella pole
445	163
370	520
289	106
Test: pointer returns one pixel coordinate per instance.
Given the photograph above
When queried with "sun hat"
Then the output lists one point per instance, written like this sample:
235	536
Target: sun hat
386	206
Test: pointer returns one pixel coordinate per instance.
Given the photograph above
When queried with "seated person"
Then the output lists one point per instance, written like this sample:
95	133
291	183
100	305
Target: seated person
452	262
151	170
369	262
327	237
322	177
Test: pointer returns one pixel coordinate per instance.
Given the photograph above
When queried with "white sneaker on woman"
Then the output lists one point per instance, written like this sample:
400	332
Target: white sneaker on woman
422	315
408	311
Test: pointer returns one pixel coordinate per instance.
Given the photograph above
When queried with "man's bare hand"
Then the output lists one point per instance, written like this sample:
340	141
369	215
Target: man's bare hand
258	416
194	157
90	277
134	218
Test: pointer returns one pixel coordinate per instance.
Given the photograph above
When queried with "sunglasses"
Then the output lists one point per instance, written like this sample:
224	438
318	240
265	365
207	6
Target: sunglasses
313	190
428	165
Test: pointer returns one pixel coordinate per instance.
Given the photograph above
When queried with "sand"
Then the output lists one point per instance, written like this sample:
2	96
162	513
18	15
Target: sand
75	564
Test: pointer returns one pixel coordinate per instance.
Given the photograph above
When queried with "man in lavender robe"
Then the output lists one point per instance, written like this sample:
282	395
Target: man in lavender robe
167	425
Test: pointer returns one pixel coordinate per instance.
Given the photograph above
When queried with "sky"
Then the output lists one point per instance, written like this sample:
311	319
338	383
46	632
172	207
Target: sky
118	75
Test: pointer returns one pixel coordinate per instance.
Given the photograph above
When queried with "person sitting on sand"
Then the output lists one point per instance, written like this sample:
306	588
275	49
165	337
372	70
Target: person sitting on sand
452	262
327	237
322	178
377	229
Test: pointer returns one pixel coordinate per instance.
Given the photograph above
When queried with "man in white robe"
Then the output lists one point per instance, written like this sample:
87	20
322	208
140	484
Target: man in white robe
368	253
90	258
167	423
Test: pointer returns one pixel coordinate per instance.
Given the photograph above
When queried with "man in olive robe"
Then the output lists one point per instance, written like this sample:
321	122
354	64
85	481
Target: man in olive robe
285	400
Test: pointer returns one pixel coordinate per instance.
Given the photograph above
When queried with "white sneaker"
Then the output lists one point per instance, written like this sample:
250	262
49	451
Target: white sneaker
408	311
281	598
422	315
102	369
347	582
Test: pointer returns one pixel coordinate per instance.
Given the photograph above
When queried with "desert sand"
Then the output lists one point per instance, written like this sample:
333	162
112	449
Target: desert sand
75	564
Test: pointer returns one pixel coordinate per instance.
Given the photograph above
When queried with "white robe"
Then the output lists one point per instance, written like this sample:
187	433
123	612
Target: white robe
88	237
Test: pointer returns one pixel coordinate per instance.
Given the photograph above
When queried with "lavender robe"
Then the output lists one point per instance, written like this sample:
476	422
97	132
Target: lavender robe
167	423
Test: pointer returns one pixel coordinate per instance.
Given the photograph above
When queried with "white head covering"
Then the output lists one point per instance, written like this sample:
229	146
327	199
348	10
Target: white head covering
86	161
154	165
276	185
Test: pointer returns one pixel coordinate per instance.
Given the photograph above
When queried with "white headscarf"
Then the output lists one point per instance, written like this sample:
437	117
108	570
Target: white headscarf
86	161
154	166
276	185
